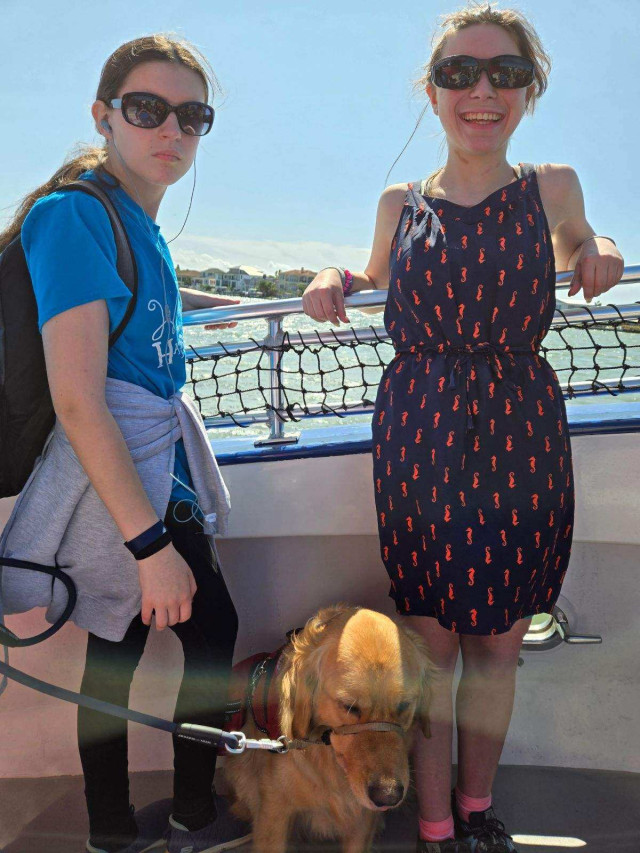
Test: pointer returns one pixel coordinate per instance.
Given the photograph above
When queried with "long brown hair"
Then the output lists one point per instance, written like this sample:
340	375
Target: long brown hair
158	47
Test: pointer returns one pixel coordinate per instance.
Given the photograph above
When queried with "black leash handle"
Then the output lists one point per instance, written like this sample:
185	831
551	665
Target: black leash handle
7	637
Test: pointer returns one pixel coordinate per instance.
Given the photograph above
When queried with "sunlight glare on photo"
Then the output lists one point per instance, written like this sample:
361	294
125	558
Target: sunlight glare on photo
549	841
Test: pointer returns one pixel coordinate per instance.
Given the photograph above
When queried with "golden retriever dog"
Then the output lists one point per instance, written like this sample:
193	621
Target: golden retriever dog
347	666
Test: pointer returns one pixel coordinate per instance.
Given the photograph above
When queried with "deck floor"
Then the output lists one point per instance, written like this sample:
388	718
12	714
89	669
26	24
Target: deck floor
596	811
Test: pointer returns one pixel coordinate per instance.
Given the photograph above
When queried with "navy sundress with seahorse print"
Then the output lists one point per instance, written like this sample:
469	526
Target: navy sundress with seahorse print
472	462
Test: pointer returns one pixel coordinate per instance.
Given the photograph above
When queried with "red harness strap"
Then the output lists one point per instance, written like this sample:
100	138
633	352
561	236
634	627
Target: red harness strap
252	691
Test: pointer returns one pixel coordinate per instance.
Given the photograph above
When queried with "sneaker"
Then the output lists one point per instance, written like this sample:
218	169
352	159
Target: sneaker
450	845
225	833
483	832
152	822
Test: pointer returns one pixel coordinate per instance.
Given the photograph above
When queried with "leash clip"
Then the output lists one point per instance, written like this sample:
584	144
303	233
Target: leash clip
242	743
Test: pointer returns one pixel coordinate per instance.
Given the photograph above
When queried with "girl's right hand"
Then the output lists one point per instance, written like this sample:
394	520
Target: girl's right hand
168	587
323	300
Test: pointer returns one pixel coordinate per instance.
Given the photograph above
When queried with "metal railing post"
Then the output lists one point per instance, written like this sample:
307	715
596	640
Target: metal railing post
276	396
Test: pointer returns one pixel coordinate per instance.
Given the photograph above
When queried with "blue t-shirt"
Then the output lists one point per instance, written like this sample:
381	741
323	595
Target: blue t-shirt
71	254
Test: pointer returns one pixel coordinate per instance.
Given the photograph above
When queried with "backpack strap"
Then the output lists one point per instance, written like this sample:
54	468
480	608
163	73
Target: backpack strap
125	261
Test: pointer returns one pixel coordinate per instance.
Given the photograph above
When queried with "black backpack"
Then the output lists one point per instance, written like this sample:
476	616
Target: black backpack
26	409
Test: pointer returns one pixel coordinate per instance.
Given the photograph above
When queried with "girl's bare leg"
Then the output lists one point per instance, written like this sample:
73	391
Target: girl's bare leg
484	704
432	756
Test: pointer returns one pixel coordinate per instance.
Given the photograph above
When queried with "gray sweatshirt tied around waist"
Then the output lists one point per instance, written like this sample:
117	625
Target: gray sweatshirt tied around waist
58	518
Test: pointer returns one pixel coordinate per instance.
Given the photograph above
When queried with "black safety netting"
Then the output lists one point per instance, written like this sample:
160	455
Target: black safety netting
337	374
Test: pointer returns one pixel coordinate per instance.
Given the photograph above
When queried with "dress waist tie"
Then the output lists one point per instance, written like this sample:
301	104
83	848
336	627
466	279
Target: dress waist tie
459	360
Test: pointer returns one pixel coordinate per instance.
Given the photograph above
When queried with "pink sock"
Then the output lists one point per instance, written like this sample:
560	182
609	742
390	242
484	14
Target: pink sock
467	804
436	830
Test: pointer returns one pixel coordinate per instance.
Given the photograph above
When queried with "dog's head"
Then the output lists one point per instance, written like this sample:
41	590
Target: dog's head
347	666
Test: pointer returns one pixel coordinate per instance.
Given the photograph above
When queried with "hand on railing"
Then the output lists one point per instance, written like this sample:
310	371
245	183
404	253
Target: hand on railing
194	300
227	312
599	267
323	300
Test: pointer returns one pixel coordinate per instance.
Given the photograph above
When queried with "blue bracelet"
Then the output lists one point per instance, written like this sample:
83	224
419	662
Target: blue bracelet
146	538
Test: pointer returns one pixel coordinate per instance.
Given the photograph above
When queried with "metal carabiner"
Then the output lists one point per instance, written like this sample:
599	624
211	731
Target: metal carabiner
242	743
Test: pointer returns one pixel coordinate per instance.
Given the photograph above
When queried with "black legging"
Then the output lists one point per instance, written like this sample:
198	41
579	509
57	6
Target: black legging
207	640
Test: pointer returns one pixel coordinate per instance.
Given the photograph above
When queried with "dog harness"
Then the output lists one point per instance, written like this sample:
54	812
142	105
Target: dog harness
253	691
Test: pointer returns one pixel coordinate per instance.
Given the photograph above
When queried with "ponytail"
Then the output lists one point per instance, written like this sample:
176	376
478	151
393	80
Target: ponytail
84	157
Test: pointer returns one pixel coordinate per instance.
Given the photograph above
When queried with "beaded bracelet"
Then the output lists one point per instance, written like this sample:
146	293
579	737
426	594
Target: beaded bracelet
347	285
346	278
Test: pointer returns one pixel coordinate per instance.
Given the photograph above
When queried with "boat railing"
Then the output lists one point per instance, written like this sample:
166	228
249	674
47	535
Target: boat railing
603	328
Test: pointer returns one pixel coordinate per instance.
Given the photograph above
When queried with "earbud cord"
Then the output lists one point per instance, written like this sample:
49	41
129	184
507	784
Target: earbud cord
156	242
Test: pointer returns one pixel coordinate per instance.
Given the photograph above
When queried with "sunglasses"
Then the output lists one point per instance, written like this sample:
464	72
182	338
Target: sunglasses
463	72
144	110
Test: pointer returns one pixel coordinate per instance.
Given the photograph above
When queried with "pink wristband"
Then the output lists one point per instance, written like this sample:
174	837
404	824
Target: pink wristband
348	283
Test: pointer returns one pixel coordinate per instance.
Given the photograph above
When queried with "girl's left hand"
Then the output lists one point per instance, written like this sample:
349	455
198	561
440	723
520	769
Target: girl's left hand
213	300
599	266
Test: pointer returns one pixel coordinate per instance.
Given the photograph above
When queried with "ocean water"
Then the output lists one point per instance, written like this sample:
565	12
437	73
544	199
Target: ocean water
343	372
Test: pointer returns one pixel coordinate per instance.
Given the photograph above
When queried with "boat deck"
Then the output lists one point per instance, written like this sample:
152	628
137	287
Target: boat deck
547	809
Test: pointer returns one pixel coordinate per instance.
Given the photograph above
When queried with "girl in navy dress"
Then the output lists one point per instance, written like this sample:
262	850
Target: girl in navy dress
471	453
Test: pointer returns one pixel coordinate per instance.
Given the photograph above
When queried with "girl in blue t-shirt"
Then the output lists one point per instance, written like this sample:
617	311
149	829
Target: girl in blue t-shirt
151	108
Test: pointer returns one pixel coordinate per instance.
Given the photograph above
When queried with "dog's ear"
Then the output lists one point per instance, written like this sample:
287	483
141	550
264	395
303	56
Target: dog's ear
424	672
303	672
296	701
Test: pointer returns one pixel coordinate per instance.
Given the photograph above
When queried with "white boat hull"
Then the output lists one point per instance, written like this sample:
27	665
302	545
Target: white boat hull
303	534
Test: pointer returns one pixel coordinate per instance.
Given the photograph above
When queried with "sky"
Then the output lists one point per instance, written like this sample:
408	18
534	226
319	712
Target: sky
317	105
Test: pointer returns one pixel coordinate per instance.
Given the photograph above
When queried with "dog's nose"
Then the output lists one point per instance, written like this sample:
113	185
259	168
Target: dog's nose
386	792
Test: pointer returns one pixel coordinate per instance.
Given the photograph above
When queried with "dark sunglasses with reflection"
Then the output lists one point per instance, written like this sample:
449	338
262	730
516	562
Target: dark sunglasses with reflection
142	109
463	72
